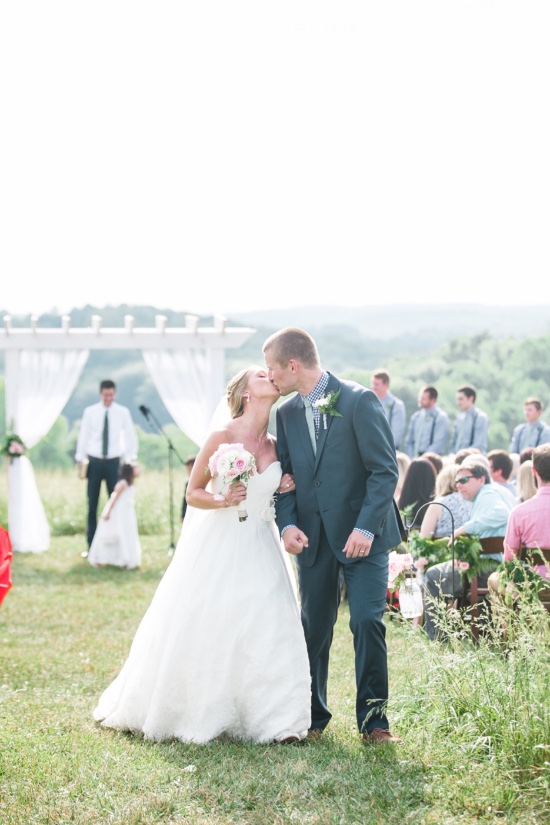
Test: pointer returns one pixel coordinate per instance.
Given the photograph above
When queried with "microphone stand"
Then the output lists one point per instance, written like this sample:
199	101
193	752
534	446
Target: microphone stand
148	415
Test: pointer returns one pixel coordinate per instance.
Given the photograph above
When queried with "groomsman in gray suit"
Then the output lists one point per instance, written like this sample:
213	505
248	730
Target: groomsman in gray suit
394	408
429	426
471	427
534	432
333	436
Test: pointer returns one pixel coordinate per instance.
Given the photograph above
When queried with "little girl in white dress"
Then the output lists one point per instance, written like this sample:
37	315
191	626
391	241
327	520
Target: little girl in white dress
116	540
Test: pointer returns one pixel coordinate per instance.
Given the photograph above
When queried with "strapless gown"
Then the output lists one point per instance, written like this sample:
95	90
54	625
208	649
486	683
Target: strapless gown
220	651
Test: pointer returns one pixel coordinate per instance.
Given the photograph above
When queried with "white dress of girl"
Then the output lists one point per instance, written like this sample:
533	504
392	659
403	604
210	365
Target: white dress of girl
220	651
116	540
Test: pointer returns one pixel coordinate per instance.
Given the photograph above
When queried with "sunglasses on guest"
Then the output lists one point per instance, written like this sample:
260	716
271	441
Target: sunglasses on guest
463	480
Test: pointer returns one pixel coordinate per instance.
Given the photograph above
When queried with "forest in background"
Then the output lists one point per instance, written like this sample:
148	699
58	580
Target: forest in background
504	365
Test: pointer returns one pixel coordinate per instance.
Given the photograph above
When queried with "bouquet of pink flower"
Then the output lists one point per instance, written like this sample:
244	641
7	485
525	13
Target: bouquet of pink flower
233	463
398	564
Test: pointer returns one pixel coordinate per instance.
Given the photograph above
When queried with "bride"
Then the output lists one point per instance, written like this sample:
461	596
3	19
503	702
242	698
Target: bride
221	651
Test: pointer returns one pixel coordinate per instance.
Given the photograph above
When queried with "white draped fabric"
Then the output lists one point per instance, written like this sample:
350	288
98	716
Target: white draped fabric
28	526
189	383
38	385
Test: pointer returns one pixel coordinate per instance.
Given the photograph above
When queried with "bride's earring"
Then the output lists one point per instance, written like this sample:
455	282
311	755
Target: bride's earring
247	397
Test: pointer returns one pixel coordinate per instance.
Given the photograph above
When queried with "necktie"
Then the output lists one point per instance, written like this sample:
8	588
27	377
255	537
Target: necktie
418	439
310	424
105	436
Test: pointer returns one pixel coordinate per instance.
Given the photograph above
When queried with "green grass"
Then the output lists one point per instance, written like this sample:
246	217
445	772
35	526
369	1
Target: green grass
472	717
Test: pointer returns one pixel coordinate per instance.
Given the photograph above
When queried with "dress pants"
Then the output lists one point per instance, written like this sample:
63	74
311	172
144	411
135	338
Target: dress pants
366	584
99	469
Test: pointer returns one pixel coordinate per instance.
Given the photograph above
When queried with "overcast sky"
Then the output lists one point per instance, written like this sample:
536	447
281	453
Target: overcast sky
216	156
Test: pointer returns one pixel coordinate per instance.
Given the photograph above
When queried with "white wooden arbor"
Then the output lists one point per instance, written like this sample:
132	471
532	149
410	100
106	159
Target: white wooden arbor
211	341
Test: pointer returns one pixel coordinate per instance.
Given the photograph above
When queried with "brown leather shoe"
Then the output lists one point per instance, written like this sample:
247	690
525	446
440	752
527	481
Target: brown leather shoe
381	736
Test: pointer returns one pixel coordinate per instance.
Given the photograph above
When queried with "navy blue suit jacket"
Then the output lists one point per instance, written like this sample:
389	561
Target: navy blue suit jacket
349	482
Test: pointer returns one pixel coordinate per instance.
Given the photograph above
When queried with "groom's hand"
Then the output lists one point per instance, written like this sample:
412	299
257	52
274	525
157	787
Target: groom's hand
294	541
357	546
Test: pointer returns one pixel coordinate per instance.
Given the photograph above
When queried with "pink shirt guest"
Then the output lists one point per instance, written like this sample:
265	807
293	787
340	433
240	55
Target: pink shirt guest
529	523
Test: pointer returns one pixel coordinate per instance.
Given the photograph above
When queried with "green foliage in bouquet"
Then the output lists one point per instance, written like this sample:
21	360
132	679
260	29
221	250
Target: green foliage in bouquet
516	577
12	445
468	550
434	550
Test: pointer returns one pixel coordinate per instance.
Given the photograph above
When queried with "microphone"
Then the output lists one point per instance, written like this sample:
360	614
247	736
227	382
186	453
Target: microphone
144	411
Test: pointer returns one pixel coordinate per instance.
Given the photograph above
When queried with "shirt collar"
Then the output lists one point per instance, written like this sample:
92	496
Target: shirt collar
318	390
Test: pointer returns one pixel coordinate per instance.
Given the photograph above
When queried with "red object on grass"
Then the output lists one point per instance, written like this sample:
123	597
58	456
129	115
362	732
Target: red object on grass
5	561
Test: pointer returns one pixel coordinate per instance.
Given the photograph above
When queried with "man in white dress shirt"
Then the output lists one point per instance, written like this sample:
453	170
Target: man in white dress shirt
106	435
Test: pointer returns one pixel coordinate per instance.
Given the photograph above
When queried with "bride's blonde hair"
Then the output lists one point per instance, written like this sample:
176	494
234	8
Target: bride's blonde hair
235	392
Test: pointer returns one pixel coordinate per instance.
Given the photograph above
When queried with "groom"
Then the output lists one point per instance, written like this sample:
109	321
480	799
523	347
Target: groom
334	438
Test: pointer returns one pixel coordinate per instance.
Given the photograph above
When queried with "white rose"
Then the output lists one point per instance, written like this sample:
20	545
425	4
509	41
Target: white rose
268	514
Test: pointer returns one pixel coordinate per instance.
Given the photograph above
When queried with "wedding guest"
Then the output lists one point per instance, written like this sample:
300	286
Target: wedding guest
526	487
428	427
116	540
526	455
471	425
437	520
188	466
488	517
418	487
394	408
500	469
465	453
435	460
534	432
403	463
106	435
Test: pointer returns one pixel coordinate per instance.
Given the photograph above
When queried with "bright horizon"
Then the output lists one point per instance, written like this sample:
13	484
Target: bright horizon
217	158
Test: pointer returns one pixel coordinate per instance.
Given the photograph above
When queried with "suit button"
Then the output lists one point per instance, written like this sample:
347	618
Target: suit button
317	483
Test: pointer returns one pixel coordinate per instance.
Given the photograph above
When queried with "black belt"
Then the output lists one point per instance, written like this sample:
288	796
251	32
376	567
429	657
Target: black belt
94	458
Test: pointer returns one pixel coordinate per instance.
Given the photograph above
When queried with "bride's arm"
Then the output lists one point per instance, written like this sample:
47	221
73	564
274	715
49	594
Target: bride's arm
197	495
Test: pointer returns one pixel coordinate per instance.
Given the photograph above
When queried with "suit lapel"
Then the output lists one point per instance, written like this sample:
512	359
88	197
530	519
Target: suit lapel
332	386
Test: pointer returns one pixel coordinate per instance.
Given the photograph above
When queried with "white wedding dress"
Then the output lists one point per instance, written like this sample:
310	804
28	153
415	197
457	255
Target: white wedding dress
221	649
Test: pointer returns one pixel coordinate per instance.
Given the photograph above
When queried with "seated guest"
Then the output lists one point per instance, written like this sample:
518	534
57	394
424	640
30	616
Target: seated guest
403	462
465	453
526	454
526	482
471	426
500	469
534	432
437	520
429	426
435	460
529	522
418	487
488	517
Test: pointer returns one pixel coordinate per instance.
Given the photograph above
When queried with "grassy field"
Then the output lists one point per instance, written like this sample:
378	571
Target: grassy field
475	719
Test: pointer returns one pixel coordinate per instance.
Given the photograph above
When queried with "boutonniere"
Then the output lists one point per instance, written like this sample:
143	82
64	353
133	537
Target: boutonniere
327	406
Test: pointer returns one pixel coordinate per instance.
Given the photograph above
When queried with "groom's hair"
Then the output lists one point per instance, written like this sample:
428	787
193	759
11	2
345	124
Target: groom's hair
293	342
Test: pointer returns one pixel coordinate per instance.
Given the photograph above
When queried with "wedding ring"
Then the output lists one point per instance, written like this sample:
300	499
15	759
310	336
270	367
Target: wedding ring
361	552
287	485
